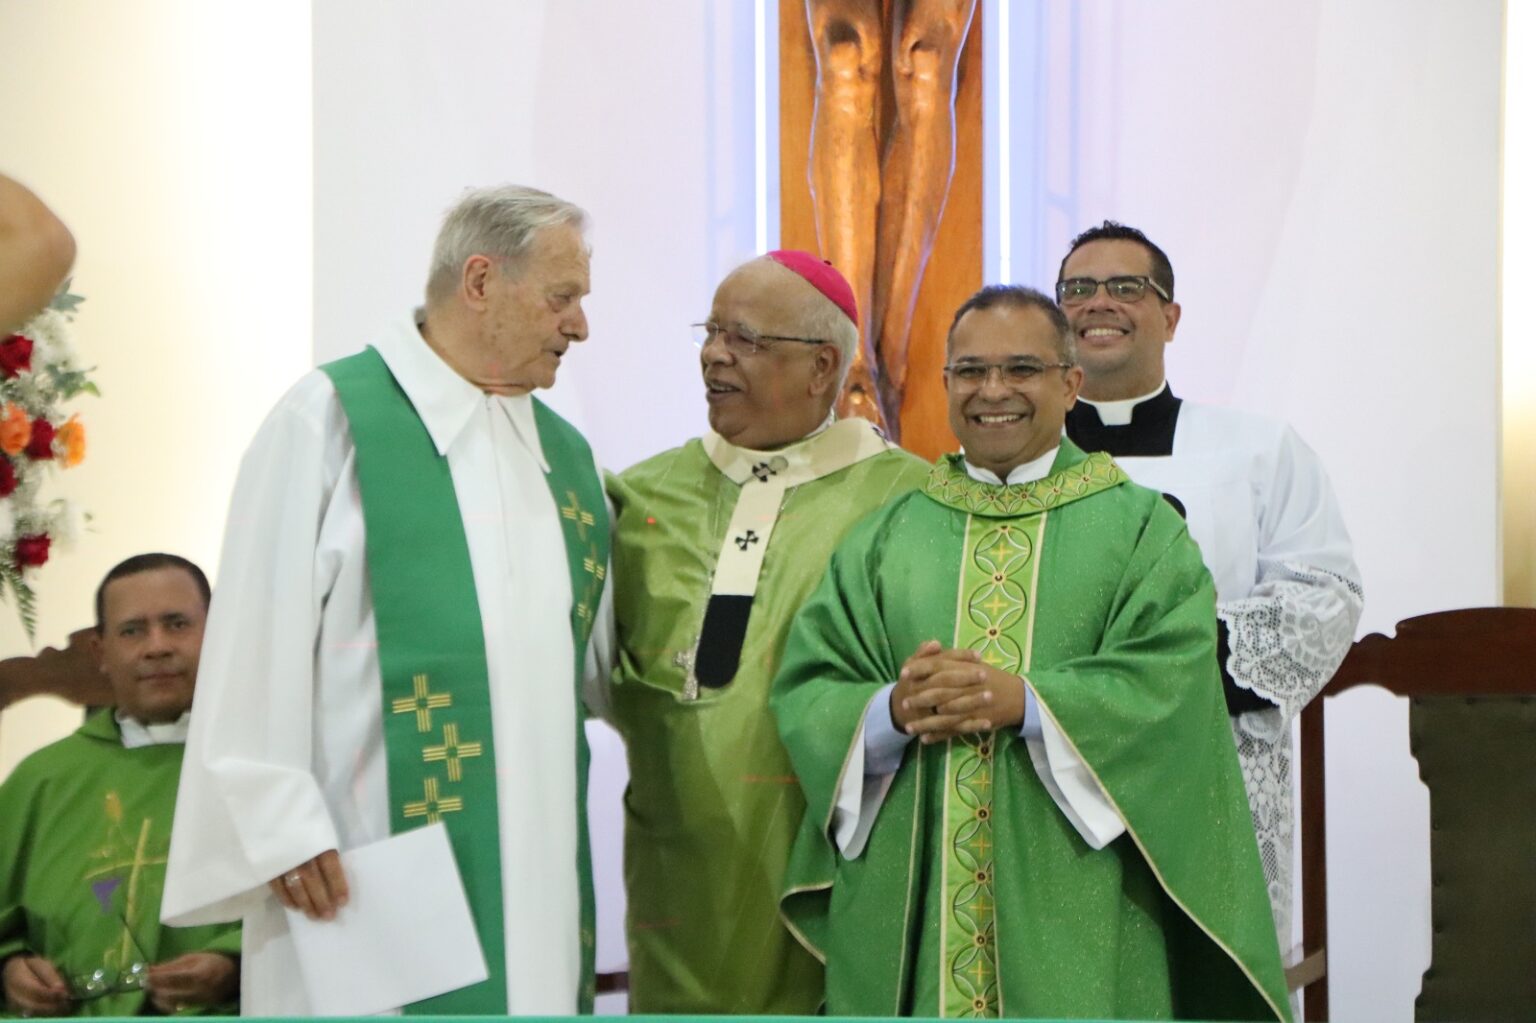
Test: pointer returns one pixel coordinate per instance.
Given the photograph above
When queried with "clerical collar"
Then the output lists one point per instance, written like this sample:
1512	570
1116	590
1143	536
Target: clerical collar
1026	473
137	733
445	401
1120	413
1137	427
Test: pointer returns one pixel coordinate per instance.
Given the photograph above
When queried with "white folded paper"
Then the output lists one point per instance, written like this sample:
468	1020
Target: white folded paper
405	933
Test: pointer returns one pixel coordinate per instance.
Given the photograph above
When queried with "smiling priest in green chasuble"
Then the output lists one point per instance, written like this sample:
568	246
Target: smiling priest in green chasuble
717	543
1004	707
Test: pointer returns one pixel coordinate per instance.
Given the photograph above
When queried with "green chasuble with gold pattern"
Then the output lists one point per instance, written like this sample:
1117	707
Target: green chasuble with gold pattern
85	825
712	806
975	895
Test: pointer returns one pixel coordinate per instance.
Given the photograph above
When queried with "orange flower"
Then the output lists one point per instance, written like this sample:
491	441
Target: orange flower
15	429
71	439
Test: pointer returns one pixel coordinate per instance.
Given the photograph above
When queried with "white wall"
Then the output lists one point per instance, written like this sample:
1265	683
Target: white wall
640	113
1324	176
173	137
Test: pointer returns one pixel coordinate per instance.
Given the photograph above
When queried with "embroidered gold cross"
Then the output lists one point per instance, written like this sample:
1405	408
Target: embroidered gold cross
982	845
996	604
1001	551
994	659
433	806
979	973
423	703
592	564
452	751
583	611
577	514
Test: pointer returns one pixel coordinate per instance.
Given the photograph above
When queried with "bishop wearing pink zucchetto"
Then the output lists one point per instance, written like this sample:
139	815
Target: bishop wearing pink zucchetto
716	545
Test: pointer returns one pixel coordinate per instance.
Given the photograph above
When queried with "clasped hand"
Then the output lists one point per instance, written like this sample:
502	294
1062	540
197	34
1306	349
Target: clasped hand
35	987
942	694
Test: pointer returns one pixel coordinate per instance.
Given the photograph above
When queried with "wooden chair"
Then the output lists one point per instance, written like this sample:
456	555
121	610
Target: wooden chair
1484	660
70	673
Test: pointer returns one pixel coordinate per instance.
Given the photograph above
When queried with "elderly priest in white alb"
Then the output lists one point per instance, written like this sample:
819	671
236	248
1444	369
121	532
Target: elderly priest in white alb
412	584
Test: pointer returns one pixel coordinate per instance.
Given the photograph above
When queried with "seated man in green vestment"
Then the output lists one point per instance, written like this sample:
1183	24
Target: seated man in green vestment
1004	707
87	822
717	543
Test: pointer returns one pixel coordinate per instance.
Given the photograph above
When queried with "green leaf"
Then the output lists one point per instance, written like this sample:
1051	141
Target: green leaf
65	301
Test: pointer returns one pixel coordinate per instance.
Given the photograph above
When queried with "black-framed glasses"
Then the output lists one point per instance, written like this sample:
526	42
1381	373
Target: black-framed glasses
1126	288
744	340
972	374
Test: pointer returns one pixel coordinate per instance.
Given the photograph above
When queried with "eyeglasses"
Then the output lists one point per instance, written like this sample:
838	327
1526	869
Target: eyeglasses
1077	290
1015	373
744	340
105	980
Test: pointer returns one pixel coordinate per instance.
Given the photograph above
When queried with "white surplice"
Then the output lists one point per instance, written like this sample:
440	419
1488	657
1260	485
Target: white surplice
1258	502
286	757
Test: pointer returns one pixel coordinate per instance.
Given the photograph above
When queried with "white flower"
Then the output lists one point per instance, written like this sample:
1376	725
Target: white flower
66	521
7	521
49	331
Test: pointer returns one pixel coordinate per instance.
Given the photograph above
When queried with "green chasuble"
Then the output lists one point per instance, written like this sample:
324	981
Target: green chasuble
712	805
85	825
975	895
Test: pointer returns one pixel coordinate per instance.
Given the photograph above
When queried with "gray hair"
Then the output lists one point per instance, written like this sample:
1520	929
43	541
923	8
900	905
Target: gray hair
500	222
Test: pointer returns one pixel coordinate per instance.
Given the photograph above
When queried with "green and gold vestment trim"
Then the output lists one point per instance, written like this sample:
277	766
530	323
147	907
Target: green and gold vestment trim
999	578
949	485
432	662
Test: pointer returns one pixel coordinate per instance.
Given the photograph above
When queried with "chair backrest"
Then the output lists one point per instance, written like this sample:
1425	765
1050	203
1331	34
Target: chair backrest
70	673
1472	673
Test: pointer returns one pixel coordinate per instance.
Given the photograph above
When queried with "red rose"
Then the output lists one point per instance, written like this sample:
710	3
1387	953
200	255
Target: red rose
40	448
7	477
32	551
15	355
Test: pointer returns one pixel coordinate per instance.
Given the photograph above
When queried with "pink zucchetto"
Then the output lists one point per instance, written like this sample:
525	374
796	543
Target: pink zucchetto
823	276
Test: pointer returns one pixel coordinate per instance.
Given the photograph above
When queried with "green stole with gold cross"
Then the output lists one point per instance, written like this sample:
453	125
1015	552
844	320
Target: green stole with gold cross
432	663
999	580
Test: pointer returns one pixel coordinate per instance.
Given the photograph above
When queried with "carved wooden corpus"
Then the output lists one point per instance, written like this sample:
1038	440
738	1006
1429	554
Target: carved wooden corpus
880	173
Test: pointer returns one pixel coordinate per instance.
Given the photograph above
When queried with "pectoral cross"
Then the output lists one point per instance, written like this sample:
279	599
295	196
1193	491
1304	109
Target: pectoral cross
685	659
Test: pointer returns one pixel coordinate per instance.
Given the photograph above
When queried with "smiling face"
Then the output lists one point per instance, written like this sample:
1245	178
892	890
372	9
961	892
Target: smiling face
151	637
529	313
779	394
1120	344
1000	424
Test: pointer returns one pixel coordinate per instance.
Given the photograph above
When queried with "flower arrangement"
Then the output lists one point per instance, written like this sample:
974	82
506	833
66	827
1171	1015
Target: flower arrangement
38	373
